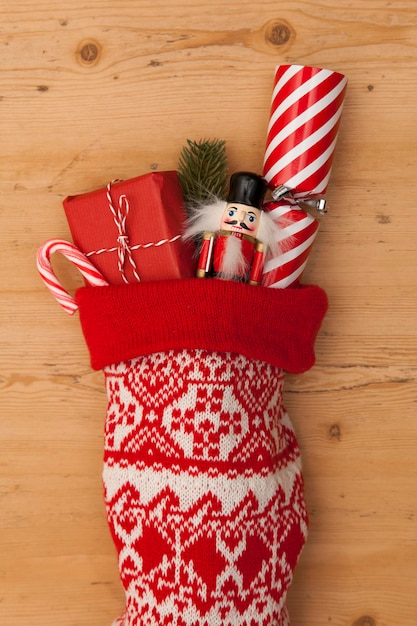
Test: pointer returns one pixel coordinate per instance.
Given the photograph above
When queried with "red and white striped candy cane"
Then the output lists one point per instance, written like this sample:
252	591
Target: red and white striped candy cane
304	120
75	256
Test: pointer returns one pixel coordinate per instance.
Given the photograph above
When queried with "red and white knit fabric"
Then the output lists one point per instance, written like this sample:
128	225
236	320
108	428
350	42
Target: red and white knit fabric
202	473
203	489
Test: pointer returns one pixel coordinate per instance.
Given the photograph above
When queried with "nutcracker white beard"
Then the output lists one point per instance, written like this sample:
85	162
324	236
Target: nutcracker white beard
233	262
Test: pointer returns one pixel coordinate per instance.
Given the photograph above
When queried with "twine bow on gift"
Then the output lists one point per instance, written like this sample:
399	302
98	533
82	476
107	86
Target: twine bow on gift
124	251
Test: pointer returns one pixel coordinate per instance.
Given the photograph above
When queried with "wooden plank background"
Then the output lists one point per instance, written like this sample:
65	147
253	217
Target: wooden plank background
96	90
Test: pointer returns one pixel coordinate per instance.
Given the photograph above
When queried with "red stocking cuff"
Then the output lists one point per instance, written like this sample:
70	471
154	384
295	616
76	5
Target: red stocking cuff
278	326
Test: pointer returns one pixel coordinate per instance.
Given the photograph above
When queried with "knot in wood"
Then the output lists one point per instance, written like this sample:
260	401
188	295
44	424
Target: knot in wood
335	433
278	33
365	620
88	52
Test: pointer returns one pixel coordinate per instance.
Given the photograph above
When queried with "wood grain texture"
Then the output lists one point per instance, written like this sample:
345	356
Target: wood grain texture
97	90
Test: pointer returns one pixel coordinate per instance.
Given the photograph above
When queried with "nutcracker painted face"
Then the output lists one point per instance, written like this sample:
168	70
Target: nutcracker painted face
243	212
241	219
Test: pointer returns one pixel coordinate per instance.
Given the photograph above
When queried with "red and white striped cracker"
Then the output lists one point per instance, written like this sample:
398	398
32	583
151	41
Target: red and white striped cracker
75	256
298	231
302	132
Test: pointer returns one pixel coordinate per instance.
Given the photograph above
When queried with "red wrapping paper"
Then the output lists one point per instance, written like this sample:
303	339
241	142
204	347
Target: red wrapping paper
132	229
298	232
305	115
304	121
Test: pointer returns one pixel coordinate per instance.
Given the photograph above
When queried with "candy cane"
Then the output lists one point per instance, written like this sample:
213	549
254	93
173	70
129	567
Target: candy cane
75	256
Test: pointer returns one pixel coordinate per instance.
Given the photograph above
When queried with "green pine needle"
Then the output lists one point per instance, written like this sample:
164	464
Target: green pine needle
202	170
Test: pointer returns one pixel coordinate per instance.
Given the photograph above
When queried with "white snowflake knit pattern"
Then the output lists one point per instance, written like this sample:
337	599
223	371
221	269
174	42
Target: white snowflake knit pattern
203	489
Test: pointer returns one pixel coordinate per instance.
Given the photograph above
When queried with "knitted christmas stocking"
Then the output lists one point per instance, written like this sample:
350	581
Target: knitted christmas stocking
202	475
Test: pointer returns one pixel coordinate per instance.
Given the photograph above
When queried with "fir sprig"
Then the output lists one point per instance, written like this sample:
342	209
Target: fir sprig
202	170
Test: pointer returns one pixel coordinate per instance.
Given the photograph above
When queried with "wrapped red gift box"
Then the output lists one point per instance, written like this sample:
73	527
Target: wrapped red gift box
132	229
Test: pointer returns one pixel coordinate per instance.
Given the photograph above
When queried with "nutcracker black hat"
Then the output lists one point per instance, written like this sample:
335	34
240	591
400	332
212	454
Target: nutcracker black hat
247	188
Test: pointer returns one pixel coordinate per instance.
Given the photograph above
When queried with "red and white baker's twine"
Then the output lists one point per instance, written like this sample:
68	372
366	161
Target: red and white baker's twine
75	256
124	249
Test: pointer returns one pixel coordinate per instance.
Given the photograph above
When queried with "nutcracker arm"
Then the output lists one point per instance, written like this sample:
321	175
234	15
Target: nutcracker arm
255	275
206	255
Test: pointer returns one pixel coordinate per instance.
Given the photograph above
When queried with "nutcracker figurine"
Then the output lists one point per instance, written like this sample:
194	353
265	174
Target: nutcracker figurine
236	233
